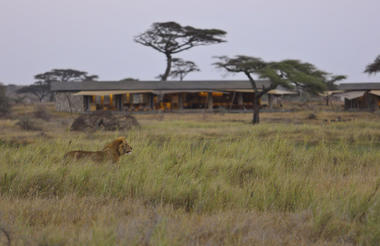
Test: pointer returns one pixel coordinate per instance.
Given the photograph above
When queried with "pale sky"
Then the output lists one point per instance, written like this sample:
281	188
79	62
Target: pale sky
338	36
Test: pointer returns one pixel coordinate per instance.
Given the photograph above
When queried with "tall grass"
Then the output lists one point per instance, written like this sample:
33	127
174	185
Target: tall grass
329	172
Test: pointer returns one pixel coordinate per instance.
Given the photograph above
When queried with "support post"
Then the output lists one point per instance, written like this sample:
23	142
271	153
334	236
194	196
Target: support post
210	101
240	98
118	102
367	99
180	101
86	103
150	101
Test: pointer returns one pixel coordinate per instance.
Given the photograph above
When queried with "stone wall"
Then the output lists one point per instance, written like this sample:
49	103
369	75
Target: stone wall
64	99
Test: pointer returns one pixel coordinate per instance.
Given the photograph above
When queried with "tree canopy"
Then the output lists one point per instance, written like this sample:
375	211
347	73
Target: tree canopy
181	68
171	38
287	73
64	75
374	67
332	79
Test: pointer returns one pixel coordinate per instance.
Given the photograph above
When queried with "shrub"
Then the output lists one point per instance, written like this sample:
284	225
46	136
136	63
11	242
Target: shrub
27	124
41	113
312	116
4	102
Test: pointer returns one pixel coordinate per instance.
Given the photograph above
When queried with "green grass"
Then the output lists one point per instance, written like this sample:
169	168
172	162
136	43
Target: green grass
199	181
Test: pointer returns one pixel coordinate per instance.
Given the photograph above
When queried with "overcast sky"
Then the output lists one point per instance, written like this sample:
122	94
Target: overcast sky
338	36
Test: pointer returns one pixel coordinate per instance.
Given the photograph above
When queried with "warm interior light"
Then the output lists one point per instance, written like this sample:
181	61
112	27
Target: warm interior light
218	94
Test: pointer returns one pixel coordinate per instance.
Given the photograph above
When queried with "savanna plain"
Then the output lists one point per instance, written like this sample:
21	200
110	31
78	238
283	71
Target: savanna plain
194	179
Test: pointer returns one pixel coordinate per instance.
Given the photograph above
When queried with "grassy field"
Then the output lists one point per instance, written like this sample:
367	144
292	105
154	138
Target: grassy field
196	179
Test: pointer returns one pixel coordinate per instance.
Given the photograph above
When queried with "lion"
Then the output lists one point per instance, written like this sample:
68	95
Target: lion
110	152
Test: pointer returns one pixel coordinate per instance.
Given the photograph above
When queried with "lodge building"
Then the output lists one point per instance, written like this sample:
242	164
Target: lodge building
203	95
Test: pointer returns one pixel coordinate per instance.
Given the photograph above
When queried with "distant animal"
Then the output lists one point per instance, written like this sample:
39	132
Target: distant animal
110	152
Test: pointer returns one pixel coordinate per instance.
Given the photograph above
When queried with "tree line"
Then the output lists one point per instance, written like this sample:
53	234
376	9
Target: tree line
171	38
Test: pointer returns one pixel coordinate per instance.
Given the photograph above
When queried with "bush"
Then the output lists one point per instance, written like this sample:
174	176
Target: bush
41	113
27	124
312	116
4	102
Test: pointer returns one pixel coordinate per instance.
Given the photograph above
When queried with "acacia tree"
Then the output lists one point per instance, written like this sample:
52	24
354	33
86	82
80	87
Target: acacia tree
287	73
171	38
40	89
181	68
374	67
61	76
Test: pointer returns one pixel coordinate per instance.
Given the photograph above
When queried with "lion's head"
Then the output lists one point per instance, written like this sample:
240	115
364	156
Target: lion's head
124	148
120	145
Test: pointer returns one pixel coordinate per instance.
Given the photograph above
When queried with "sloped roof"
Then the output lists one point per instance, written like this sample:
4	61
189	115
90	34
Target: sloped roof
359	86
282	91
352	94
157	85
107	92
375	92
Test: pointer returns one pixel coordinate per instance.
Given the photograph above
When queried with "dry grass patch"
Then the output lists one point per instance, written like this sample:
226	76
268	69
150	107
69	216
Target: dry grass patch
195	180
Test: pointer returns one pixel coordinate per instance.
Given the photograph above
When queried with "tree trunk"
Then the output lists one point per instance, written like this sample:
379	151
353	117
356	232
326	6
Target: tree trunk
69	102
168	67
164	77
256	109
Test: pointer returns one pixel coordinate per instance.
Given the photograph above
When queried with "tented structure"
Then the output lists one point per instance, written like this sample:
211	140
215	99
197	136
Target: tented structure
361	96
159	95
